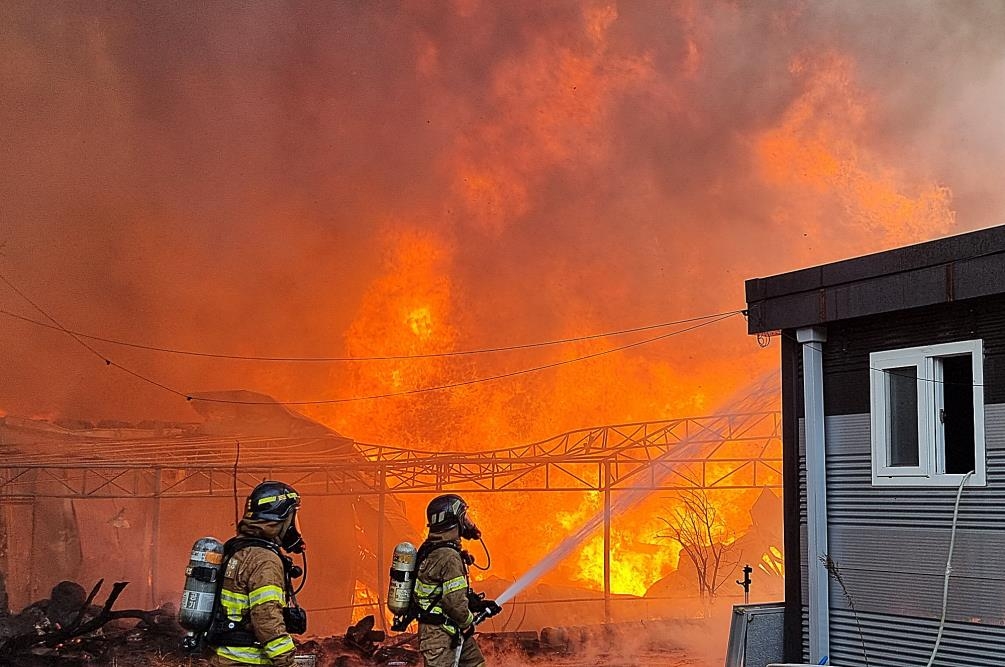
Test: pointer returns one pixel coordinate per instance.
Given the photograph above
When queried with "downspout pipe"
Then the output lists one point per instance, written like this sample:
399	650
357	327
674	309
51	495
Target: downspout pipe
812	340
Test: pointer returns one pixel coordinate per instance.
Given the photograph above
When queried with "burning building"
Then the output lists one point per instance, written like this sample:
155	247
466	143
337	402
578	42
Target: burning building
125	501
456	226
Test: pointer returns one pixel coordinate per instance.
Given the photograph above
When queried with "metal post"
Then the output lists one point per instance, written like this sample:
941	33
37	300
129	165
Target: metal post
381	503
33	558
155	549
607	542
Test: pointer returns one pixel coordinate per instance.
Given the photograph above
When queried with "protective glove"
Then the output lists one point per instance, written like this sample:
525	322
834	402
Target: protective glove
491	608
479	605
476	601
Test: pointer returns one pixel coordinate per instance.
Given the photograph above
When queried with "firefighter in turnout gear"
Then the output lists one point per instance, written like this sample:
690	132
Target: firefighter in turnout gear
442	593
256	609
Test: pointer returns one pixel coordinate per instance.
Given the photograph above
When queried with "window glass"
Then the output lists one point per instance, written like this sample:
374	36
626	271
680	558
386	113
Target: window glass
957	413
903	416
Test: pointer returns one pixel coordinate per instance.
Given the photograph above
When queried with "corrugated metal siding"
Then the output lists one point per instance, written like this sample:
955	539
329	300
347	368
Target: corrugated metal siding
899	641
890	545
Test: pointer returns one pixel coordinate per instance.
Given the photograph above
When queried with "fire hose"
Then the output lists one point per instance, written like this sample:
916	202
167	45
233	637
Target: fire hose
481	616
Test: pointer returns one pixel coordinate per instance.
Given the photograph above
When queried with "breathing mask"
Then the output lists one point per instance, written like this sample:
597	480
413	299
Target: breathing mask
293	540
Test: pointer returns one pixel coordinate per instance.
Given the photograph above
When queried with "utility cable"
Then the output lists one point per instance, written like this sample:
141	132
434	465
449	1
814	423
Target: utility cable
475	381
891	371
379	357
949	570
108	362
74	336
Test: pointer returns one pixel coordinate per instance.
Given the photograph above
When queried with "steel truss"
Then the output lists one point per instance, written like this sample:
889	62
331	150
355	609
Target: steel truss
736	451
733	451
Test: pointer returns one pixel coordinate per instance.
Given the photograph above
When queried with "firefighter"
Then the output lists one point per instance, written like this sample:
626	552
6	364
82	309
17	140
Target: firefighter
447	604
257	609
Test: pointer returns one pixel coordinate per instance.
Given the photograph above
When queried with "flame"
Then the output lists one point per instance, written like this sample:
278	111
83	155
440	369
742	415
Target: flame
364	601
648	138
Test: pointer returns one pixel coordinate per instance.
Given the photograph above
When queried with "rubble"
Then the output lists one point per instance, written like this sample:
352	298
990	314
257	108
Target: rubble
68	629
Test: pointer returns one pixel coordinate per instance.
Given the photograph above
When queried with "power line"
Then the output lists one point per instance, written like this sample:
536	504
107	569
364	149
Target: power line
384	357
891	371
74	336
108	362
464	383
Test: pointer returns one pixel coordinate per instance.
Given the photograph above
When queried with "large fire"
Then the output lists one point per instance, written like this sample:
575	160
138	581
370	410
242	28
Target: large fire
364	182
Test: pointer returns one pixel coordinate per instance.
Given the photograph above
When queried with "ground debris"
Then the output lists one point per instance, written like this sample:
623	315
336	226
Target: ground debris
67	629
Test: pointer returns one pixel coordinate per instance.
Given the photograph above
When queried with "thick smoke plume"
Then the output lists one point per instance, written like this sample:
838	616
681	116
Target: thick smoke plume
357	179
244	177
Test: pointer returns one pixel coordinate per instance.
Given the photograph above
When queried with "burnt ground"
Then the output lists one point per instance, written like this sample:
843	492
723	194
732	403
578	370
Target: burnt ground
663	643
607	649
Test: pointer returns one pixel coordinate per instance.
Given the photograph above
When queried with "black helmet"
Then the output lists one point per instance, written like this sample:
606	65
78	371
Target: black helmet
450	511
271	501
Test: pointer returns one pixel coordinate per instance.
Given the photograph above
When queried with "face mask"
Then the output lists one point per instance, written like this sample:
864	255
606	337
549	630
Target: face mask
469	530
293	541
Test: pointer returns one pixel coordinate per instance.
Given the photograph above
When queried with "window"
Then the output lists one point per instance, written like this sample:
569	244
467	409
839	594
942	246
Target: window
928	415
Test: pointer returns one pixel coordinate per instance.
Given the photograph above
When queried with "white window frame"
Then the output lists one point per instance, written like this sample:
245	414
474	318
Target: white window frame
930	470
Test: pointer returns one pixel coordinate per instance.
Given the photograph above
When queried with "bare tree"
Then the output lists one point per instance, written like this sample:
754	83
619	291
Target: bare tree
703	535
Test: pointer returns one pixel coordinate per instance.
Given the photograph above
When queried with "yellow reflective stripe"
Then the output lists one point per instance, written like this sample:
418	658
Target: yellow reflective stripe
279	645
265	594
455	584
281	496
425	590
247	655
471	617
235	604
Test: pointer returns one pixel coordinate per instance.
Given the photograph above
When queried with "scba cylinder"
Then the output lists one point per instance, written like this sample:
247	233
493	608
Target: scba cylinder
201	582
402	576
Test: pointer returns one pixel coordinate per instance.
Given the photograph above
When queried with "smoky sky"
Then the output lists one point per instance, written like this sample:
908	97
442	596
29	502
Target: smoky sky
235	176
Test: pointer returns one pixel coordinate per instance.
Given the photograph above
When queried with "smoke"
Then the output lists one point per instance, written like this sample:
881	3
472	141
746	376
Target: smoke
228	176
327	179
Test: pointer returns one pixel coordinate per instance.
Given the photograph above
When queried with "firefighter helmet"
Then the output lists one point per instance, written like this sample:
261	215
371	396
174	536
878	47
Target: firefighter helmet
450	511
271	501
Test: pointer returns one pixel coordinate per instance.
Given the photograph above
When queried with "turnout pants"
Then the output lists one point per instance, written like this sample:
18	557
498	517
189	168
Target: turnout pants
438	648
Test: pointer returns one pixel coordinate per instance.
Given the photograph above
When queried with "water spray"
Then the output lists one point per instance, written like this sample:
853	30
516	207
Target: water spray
754	398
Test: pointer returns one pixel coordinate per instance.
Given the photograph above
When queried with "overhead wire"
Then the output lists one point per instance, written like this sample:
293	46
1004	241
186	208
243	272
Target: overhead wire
892	371
702	322
464	383
378	357
89	348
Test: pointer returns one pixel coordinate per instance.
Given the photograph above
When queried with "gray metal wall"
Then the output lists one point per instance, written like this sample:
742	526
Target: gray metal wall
890	546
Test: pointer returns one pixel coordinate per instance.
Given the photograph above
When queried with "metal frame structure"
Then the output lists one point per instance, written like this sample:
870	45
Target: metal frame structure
737	451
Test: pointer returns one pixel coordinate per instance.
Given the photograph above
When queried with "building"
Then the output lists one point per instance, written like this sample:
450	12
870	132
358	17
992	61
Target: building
893	395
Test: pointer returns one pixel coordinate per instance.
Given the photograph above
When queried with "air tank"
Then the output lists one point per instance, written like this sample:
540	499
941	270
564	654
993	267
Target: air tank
202	577
402	579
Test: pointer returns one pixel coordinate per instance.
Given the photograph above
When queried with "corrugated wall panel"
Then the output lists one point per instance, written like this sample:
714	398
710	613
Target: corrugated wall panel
902	641
889	546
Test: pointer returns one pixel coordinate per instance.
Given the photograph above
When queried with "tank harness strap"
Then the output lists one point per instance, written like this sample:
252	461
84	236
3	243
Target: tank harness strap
231	630
432	613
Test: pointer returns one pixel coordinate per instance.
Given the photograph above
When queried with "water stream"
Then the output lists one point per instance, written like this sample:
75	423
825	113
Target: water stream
760	396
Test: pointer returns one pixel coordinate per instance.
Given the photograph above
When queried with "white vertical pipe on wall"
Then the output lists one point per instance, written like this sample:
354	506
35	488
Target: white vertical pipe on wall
812	339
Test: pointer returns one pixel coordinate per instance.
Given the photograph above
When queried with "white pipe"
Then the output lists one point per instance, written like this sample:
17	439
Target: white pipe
812	339
949	570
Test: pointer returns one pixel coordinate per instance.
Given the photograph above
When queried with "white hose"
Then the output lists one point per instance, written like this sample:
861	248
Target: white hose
949	570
